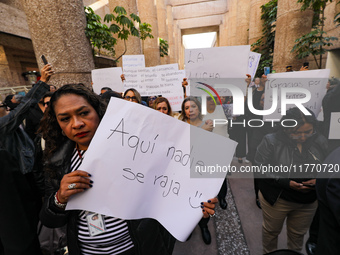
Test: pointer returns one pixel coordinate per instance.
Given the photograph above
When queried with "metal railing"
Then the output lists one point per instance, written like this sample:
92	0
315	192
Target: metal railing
13	90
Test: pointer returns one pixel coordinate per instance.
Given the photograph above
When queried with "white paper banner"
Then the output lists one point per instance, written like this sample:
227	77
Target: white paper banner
211	64
135	61
254	60
334	129
107	77
140	163
314	81
165	80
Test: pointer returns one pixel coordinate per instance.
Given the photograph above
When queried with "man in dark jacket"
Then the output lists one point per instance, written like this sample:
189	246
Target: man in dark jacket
19	216
328	191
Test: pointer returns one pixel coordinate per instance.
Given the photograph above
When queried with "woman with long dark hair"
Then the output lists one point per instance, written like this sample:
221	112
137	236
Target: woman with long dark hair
69	125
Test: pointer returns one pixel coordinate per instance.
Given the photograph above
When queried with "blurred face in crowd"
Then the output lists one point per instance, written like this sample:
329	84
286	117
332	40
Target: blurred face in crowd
52	88
223	99
301	134
151	101
210	103
162	107
77	119
191	110
46	103
130	96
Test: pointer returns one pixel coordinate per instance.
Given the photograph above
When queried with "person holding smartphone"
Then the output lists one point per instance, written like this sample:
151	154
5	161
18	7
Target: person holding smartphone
289	194
20	203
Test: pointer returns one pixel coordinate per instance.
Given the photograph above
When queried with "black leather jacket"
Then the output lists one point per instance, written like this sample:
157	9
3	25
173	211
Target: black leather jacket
12	137
277	149
149	237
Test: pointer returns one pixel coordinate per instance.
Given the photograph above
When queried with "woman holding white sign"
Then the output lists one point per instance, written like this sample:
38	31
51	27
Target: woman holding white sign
70	123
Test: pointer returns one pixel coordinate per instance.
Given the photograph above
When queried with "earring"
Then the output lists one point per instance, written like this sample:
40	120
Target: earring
62	132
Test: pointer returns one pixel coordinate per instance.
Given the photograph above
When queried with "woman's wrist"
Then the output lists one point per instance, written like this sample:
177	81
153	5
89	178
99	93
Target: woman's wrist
57	202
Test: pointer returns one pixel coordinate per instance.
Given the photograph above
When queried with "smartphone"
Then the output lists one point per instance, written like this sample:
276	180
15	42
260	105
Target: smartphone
266	70
306	64
44	59
309	185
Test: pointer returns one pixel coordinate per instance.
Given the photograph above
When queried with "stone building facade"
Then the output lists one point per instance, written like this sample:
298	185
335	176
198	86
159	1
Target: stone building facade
29	28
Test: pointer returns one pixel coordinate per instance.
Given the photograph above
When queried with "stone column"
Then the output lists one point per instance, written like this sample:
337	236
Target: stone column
179	46
133	44
57	31
162	26
291	24
173	54
255	22
6	78
223	31
242	22
231	23
148	13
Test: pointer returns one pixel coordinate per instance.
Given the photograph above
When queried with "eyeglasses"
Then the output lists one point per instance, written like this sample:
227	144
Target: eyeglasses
130	98
162	108
46	104
306	134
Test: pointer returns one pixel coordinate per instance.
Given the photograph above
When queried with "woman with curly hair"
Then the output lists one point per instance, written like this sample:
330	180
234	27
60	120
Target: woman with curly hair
69	125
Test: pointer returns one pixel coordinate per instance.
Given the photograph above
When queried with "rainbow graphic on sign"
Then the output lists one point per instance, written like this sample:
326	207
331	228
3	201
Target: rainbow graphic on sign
208	92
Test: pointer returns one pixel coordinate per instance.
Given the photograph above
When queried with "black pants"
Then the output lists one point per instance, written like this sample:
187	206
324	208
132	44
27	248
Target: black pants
18	214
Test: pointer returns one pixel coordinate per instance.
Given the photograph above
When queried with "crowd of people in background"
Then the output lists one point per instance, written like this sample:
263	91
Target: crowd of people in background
44	136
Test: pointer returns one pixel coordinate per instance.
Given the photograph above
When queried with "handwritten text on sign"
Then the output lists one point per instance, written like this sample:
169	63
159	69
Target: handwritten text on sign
165	80
133	61
254	60
217	62
143	170
205	65
313	81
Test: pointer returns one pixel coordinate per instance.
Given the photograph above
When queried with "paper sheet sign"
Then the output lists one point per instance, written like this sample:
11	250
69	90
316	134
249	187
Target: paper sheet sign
133	61
314	81
334	129
254	60
210	64
140	162
107	77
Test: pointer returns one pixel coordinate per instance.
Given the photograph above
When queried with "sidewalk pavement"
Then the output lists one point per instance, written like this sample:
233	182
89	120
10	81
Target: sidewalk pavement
236	230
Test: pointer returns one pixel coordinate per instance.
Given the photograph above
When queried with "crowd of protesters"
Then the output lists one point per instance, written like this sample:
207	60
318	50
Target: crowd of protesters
44	136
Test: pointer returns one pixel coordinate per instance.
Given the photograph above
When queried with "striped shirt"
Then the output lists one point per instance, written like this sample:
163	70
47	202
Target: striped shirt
115	240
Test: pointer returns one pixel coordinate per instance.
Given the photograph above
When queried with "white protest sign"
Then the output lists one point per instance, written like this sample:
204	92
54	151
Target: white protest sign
133	79
217	62
334	129
135	61
171	88
314	81
107	77
140	163
254	60
165	68
148	81
210	64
